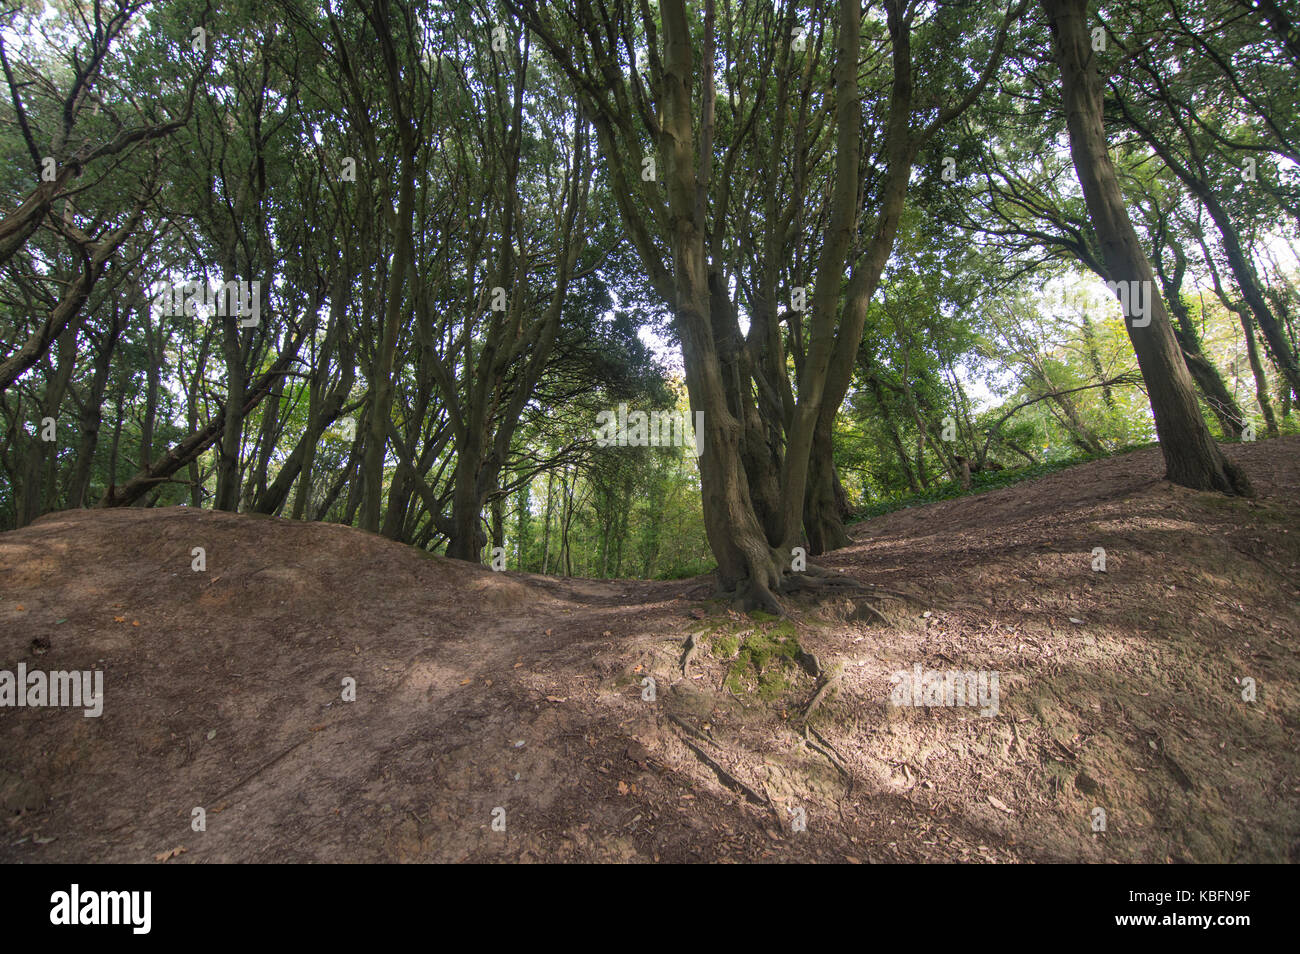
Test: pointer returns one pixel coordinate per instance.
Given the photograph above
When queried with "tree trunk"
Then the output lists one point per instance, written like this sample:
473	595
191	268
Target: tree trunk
1074	423
891	430
748	566
232	426
546	527
1257	369
38	491
92	414
824	509
1192	458
1222	404
467	539
400	224
826	521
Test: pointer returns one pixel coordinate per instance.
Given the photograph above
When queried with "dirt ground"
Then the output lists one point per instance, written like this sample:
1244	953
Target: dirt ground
486	696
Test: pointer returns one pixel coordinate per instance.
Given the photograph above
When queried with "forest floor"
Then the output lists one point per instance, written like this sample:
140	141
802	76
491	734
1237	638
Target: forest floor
478	691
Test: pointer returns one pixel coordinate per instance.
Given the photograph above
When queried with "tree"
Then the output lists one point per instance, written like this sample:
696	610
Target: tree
1191	456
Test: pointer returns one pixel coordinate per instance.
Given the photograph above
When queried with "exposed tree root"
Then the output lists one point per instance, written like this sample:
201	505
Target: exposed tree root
823	585
829	683
687	727
690	649
728	780
819	584
827	751
871	610
810	663
259	770
752	595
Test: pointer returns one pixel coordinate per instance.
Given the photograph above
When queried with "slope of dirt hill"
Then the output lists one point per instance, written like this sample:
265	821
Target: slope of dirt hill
478	691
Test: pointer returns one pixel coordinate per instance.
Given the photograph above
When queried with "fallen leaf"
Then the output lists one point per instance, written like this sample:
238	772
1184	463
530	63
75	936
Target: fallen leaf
119	619
168	855
557	698
135	622
999	805
622	788
466	682
19	608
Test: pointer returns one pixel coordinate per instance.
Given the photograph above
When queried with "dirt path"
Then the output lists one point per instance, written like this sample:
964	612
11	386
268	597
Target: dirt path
476	691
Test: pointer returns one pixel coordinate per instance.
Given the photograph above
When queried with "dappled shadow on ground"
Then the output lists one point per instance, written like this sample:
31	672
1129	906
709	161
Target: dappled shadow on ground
480	691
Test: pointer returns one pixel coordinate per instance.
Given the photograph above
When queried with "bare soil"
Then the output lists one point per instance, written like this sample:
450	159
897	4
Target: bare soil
478	691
